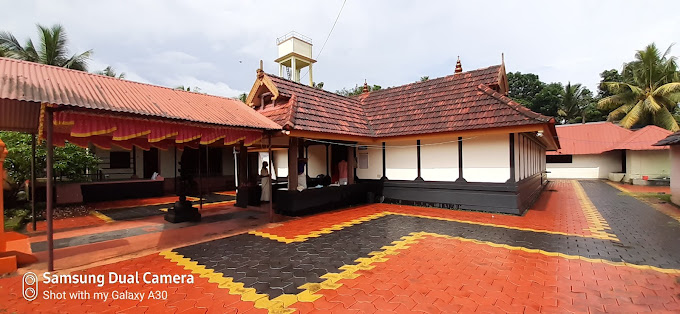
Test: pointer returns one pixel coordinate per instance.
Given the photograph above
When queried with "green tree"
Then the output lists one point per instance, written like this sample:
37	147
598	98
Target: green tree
242	97
424	79
548	100
612	75
575	102
523	88
318	85
109	71
648	93
51	49
357	90
70	161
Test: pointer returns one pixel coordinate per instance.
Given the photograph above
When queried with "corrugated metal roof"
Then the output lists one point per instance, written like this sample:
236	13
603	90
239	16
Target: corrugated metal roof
599	137
19	116
644	139
672	139
32	82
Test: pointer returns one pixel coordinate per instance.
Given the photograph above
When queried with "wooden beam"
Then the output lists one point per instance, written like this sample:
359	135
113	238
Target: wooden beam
293	164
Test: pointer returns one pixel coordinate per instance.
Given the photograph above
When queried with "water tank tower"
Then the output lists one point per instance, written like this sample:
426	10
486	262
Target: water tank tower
295	53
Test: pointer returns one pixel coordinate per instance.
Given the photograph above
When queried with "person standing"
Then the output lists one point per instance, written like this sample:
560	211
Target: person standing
265	179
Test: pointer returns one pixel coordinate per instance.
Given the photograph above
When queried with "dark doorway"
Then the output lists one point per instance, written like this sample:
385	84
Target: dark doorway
338	153
254	167
150	162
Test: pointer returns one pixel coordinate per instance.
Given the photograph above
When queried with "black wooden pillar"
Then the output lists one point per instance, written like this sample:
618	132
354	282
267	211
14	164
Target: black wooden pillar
33	222
328	162
512	158
292	163
351	161
50	187
242	194
384	176
419	178
460	160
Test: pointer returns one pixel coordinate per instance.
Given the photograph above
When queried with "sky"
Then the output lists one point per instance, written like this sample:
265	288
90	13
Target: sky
216	45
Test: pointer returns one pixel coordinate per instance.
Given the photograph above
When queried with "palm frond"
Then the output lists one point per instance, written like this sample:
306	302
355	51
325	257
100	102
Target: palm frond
615	101
633	116
620	87
667	89
650	105
620	111
78	62
663	118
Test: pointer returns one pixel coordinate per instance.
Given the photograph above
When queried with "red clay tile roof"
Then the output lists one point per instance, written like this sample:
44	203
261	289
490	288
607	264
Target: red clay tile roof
457	102
599	137
644	139
452	103
312	109
32	82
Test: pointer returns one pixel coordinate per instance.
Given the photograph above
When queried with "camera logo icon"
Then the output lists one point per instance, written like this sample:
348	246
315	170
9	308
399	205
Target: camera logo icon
29	286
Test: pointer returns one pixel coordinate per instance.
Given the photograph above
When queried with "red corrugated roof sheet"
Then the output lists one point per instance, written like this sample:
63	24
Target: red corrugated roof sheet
27	81
457	102
644	139
599	137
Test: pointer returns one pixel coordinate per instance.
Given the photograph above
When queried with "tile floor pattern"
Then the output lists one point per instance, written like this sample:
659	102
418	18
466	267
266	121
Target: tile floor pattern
389	258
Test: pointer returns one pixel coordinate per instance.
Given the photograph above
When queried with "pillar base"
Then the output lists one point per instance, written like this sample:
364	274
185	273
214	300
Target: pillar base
182	211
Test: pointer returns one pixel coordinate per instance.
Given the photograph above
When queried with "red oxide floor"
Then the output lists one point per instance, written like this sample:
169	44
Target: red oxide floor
401	259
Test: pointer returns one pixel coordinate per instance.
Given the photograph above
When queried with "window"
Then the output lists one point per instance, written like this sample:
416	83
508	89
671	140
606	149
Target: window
119	160
558	159
363	160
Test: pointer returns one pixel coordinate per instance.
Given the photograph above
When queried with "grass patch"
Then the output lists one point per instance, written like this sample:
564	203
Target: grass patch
16	219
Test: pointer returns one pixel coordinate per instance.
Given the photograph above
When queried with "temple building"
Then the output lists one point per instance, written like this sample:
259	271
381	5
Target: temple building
454	142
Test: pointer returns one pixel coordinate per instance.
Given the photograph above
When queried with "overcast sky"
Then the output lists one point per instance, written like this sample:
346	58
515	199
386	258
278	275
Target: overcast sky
217	45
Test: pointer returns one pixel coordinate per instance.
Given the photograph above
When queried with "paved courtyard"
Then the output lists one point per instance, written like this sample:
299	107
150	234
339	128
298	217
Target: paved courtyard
585	246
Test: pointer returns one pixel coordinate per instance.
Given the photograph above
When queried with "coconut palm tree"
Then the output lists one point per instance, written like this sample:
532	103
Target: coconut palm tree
109	71
649	93
51	49
574	103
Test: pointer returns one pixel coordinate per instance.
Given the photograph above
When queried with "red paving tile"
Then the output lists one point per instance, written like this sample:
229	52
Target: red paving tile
572	287
558	209
68	223
643	188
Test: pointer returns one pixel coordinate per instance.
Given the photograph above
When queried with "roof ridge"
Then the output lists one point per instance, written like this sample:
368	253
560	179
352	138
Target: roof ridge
513	105
429	81
110	77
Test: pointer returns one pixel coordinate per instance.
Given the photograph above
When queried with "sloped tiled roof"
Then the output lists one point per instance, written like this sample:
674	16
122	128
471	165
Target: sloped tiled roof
452	103
313	109
37	83
457	102
599	137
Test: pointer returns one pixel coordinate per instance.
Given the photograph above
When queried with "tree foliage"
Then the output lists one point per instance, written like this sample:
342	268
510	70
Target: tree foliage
109	71
51	49
357	90
648	92
70	161
523	88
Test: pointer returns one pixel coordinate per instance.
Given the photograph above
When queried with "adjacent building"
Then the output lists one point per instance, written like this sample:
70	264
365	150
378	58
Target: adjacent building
602	150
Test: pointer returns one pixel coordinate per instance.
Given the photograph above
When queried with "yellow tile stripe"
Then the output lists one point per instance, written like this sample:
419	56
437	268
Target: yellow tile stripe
282	303
101	216
598	225
318	233
625	191
547	253
340	226
225	193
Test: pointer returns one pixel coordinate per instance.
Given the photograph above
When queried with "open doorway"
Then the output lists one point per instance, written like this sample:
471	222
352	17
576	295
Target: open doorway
150	162
338	153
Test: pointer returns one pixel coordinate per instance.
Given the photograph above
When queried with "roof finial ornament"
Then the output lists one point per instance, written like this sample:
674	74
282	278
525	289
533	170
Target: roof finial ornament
459	67
365	86
260	71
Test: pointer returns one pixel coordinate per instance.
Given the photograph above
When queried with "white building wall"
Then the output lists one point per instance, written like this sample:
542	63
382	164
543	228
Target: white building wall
596	166
228	165
439	159
652	163
401	160
486	158
675	174
166	164
374	170
281	162
316	160
114	174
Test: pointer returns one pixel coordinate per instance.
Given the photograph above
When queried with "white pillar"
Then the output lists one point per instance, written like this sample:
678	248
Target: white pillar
293	66
311	79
